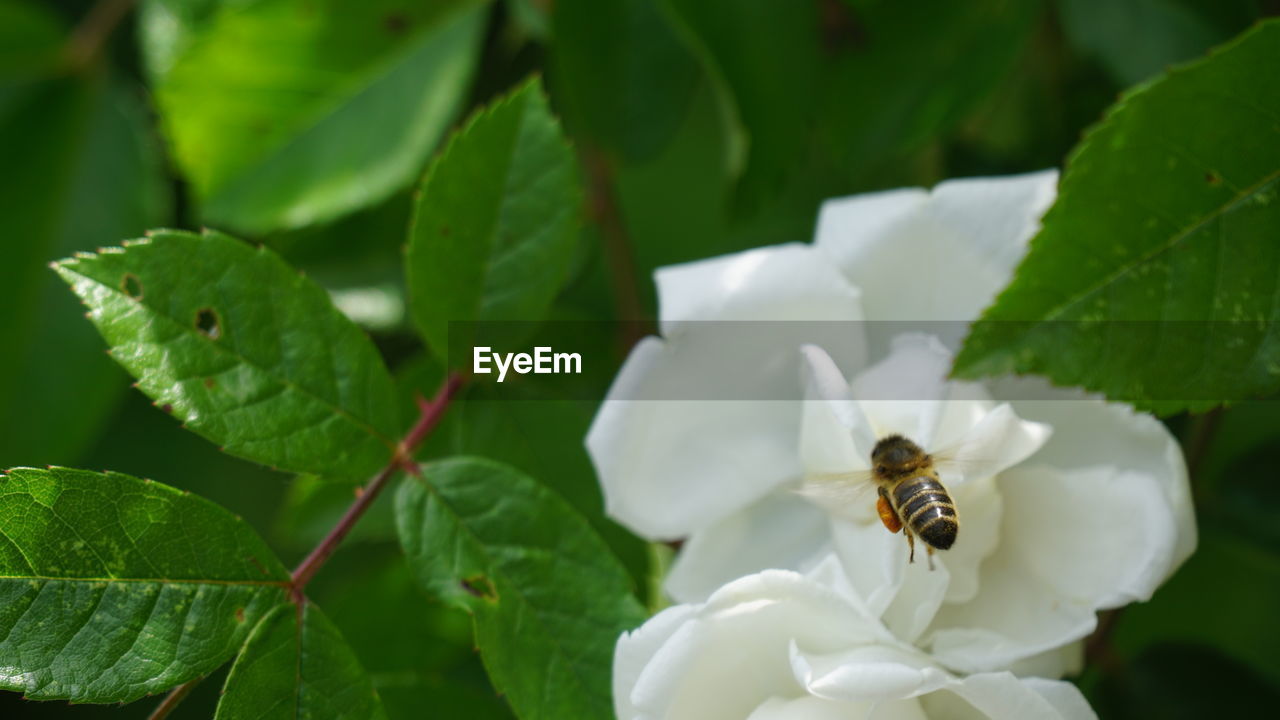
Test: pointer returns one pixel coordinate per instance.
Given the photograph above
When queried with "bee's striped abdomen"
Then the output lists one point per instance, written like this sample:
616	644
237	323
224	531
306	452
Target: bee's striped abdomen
926	508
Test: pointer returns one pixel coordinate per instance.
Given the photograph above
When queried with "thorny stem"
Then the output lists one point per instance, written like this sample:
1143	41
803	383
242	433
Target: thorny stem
430	413
91	34
429	417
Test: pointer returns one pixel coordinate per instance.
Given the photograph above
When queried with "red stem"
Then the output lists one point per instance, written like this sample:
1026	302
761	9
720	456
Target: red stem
89	37
431	413
174	697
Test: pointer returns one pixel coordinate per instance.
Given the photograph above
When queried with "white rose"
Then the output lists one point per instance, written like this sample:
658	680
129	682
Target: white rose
781	646
1080	504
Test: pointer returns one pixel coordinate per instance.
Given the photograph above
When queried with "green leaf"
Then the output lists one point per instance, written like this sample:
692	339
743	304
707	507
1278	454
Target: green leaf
245	350
907	62
297	665
494	228
112	588
1161	245
627	75
772	95
81	167
674	202
1184	681
32	38
549	599
288	112
843	96
524	425
426	658
1138	39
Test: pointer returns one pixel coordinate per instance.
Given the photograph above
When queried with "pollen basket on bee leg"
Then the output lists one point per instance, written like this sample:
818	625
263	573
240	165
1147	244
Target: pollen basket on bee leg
887	515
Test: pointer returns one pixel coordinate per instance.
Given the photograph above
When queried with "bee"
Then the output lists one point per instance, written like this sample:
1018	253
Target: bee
912	498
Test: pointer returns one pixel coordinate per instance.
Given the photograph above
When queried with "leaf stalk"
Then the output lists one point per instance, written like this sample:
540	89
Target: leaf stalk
430	413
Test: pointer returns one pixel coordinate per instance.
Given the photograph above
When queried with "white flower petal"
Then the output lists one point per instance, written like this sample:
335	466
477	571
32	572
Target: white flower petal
919	596
782	531
1012	618
633	654
979	507
781	282
731	654
908	709
873	559
996	216
902	394
870	673
811	708
669	465
1000	440
835	435
953	248
1056	663
1088	431
1065	697
1002	696
1094	536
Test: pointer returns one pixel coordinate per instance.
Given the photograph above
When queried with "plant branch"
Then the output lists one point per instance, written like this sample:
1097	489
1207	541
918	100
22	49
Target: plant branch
91	34
1199	434
603	206
175	696
430	413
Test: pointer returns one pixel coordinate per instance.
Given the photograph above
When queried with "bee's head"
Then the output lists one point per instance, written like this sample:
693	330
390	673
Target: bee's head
895	454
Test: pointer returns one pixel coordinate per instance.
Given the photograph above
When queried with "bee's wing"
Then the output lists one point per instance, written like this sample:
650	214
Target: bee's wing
959	460
838	490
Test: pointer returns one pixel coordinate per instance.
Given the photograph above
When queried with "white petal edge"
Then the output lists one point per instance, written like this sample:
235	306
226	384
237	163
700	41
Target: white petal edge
781	531
974	229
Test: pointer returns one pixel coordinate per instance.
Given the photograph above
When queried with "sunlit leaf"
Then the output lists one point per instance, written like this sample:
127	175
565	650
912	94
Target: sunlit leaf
244	349
496	220
1154	279
284	113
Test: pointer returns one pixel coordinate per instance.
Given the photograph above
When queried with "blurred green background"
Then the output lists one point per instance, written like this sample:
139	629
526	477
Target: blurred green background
703	126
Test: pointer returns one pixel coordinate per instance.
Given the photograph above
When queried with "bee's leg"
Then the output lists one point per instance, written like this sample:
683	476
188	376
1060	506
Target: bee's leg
911	543
929	550
887	514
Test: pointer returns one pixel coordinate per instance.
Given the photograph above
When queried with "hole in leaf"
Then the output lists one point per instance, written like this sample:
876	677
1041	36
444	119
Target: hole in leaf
208	323
481	587
131	286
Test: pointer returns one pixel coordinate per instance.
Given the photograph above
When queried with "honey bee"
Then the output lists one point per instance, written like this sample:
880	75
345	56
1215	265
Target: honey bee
912	498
